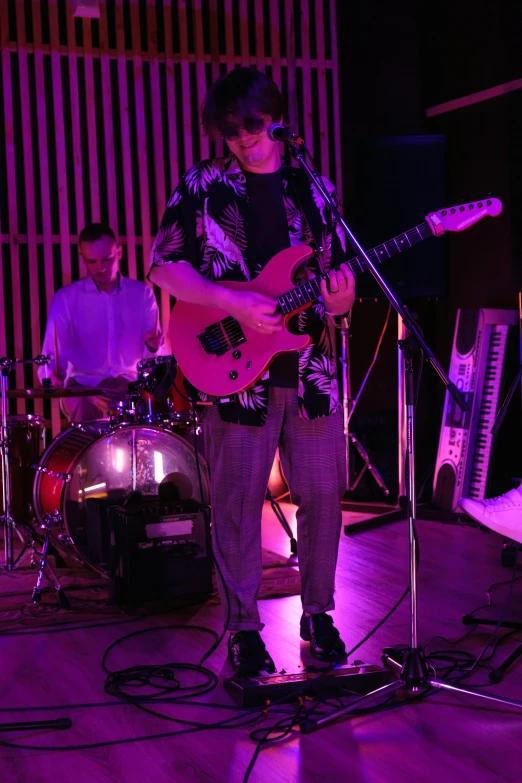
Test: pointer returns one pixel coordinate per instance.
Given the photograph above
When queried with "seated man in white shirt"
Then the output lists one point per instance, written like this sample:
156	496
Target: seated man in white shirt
100	327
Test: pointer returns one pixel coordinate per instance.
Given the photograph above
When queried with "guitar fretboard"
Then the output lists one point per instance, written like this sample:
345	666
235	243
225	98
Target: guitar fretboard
306	292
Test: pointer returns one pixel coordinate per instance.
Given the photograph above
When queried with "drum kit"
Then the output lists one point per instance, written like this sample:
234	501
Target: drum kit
143	446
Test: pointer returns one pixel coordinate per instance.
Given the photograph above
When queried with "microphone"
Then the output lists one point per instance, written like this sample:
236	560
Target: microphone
278	132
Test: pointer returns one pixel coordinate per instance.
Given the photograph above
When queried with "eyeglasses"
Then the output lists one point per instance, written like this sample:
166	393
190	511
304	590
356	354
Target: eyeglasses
252	125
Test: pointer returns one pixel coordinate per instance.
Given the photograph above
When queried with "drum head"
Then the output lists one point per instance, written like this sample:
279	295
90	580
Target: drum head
130	458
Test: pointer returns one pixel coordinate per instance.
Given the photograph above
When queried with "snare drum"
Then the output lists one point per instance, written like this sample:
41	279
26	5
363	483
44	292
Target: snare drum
26	435
96	461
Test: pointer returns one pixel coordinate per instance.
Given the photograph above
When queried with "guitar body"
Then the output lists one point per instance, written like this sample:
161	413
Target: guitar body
224	375
221	357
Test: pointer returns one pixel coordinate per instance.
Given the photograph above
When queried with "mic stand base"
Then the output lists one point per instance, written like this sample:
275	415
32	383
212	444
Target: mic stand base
426	513
414	681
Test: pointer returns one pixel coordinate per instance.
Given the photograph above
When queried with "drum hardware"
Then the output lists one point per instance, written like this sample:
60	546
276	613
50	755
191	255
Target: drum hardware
56	392
53	473
6	365
157	387
42	360
39	558
77	425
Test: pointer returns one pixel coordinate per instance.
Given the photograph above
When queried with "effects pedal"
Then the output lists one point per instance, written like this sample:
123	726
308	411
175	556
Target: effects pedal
357	678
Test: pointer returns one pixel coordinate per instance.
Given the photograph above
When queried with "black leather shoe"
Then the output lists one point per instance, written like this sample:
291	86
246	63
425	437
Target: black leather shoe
325	642
248	653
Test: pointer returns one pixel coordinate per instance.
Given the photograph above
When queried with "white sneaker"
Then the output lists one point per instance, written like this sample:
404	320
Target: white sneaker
502	514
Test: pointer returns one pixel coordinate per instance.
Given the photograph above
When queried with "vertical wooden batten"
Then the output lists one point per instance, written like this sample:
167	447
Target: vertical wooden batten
75	129
125	139
306	74
201	81
91	130
30	208
108	129
185	84
141	131
336	176
322	142
14	294
291	64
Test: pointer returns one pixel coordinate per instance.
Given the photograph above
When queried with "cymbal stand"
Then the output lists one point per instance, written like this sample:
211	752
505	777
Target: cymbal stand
6	365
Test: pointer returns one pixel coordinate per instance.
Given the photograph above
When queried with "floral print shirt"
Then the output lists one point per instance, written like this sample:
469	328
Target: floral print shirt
208	223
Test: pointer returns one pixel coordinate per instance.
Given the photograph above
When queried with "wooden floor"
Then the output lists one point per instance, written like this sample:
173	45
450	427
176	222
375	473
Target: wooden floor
444	738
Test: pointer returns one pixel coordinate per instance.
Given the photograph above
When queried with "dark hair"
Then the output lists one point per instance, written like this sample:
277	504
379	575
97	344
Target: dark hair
95	231
242	92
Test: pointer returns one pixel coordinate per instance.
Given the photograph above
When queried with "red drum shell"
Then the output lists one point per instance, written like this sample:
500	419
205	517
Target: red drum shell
25	441
105	464
60	458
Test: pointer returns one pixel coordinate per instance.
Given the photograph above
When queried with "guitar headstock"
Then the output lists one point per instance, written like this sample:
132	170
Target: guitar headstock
463	216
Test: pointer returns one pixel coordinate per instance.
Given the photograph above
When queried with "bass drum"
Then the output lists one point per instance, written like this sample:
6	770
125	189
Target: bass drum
96	462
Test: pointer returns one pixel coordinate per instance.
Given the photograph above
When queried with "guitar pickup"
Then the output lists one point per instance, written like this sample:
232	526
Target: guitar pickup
213	340
220	337
233	331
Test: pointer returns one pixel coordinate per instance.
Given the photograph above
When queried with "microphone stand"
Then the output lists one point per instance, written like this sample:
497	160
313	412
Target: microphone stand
410	664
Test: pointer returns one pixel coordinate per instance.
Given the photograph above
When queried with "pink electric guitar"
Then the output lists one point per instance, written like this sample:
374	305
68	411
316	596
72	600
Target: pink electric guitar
220	356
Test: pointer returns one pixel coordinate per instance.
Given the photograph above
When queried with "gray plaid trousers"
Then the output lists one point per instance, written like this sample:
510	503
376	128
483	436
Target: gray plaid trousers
240	459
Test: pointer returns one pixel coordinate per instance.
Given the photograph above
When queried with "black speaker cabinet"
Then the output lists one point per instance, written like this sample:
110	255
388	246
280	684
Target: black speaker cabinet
159	550
397	181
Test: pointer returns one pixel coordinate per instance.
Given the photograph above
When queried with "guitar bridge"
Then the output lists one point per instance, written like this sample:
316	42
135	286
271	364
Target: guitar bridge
222	336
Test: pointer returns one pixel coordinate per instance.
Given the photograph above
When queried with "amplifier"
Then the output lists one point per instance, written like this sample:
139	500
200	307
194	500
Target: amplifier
91	535
158	550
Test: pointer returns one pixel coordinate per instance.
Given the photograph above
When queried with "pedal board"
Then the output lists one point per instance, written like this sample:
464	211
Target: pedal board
255	691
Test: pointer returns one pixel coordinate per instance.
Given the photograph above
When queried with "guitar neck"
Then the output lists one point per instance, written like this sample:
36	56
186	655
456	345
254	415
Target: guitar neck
305	293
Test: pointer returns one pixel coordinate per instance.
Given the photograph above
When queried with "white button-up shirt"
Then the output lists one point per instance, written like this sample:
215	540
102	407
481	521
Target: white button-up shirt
98	335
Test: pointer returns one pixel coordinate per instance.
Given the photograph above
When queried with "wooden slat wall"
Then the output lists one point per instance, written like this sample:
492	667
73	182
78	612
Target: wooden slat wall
77	138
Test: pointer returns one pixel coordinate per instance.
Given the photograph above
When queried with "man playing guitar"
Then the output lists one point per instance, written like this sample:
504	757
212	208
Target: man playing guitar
224	222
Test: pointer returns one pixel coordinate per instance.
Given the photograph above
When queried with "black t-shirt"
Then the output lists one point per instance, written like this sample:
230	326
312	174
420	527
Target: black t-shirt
265	192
